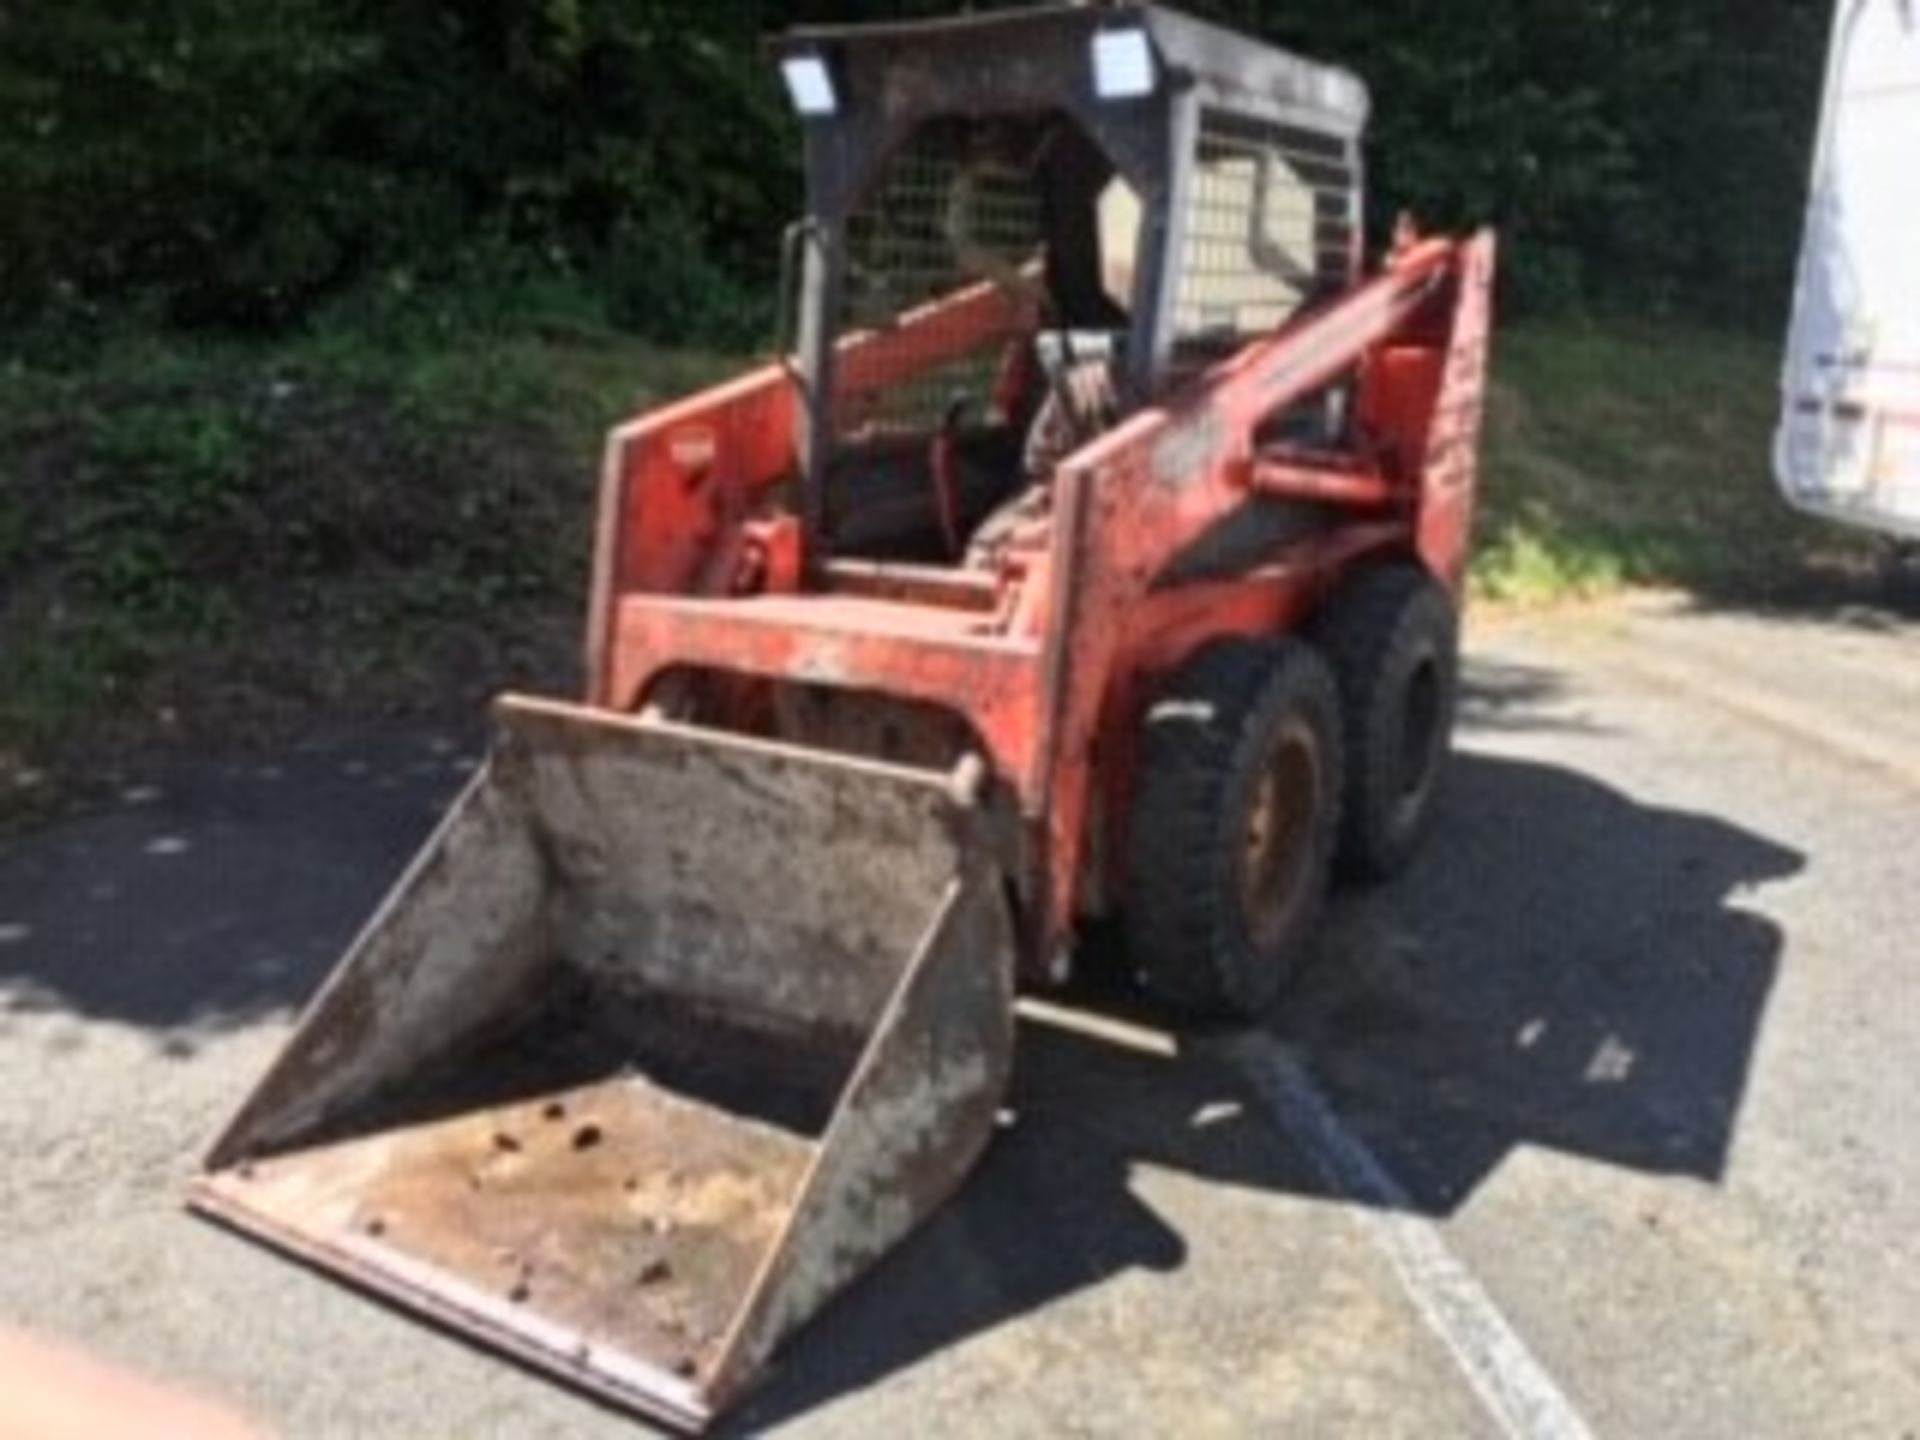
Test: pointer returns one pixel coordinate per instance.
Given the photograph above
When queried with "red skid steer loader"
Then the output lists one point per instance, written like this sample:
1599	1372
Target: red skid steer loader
1092	551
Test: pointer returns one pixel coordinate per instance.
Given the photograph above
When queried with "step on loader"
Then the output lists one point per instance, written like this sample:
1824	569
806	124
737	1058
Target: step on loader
1091	552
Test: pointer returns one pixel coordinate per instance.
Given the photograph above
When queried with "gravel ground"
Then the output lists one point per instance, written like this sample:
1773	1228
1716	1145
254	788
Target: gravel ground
1615	1131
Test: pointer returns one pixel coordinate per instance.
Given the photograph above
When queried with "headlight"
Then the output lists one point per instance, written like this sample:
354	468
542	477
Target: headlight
810	85
1122	64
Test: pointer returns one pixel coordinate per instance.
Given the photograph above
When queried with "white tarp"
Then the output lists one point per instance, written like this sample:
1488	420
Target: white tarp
1849	438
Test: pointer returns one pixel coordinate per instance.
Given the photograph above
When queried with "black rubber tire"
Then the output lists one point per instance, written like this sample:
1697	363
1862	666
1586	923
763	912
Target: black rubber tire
1392	637
1238	714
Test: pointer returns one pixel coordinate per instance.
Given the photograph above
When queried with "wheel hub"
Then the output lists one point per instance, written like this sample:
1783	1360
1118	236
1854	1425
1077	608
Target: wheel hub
1276	863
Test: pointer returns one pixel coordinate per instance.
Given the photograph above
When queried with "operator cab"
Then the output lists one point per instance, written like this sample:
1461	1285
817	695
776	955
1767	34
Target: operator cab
989	235
1023	228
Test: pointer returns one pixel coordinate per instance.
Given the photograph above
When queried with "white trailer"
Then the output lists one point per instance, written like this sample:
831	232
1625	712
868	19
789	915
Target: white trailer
1848	446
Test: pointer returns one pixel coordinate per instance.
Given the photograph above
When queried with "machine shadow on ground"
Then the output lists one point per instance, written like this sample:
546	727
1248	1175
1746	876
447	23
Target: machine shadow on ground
1565	968
195	898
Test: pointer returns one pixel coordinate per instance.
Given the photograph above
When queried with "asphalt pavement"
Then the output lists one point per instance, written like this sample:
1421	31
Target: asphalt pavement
1600	1121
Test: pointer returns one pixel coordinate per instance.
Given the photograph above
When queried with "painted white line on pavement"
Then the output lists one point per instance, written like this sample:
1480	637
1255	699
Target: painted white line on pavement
1516	1390
1125	1033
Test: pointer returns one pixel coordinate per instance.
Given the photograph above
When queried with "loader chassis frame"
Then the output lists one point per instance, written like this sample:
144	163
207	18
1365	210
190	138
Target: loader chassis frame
1181	526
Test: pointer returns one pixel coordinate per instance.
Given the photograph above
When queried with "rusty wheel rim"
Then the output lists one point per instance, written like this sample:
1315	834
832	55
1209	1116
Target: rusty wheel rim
1277	855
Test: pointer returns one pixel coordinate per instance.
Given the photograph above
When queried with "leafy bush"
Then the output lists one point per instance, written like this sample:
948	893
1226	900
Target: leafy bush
235	162
1636	154
389	510
1626	454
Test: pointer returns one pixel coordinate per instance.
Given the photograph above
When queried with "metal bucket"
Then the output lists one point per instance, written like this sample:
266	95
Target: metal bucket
663	1038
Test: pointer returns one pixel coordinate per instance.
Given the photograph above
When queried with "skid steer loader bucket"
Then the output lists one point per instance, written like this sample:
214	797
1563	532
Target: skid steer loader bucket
662	1039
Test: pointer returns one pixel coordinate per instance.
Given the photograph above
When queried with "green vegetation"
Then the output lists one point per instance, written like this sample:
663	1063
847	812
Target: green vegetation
237	163
1628	454
388	512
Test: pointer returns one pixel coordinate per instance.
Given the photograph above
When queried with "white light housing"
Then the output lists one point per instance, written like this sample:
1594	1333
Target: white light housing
810	85
1122	64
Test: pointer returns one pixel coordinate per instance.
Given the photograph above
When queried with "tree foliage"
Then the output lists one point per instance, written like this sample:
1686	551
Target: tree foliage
234	162
1648	152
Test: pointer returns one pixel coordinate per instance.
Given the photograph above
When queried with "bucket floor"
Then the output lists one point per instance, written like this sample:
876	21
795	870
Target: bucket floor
609	1176
631	1219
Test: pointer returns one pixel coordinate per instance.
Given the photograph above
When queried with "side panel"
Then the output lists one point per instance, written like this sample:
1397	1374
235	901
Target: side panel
914	1119
675	487
1848	445
1450	472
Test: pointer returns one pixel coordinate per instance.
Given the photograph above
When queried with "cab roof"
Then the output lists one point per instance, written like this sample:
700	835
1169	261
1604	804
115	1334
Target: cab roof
1043	53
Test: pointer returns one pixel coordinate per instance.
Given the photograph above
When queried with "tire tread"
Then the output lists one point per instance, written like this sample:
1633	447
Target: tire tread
1180	928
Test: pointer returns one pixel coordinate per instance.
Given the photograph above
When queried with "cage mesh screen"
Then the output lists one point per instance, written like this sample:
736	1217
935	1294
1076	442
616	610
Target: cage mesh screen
1271	222
958	206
